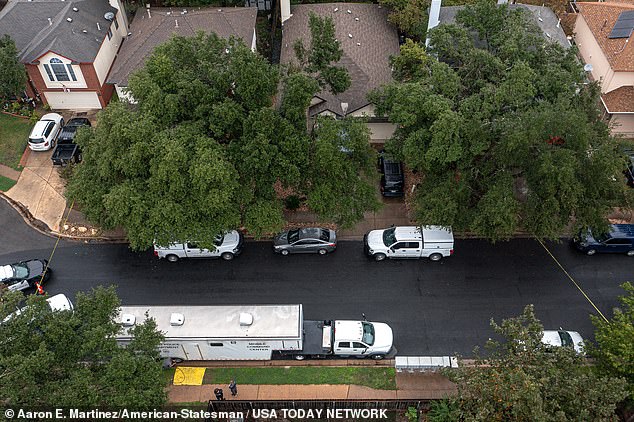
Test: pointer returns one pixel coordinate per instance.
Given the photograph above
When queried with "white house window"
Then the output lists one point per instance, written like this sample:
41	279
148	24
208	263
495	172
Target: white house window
58	71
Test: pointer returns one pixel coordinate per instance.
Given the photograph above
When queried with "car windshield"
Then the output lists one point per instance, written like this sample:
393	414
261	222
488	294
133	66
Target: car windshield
36	140
218	240
566	340
601	237
368	333
20	271
293	236
389	238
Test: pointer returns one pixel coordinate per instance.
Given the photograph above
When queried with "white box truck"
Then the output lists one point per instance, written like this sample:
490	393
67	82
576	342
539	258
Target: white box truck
256	332
409	242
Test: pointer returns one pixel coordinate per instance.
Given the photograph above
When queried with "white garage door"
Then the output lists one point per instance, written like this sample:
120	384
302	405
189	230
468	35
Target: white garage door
72	100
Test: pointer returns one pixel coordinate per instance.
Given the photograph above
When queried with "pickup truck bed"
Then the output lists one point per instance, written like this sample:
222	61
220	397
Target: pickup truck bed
313	338
65	153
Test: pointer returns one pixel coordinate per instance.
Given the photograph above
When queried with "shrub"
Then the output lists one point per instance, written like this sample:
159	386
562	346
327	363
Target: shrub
292	202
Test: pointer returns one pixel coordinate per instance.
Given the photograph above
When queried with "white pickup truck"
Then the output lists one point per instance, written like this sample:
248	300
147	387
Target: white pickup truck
227	246
409	242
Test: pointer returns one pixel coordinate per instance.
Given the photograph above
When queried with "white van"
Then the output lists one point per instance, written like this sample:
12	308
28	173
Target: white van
409	242
227	246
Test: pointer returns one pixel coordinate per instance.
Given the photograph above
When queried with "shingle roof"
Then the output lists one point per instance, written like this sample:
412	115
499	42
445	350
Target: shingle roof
600	18
150	30
367	62
545	19
620	100
27	22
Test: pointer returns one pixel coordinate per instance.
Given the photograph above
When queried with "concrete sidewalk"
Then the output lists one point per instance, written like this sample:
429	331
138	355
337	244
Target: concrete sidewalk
409	385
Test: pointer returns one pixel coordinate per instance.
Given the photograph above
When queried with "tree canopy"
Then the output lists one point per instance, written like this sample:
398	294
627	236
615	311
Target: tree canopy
521	379
501	127
614	350
71	358
202	148
12	73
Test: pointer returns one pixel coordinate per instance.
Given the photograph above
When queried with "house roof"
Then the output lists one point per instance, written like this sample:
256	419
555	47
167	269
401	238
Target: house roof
544	17
365	55
601	18
27	22
156	27
620	100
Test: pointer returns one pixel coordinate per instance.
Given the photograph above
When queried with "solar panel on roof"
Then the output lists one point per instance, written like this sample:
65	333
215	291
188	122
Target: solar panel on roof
624	25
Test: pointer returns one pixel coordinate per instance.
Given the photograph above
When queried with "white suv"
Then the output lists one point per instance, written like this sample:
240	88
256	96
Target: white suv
45	131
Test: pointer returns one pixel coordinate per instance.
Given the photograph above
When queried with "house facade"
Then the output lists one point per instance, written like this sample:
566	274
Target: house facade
156	25
367	40
603	34
67	48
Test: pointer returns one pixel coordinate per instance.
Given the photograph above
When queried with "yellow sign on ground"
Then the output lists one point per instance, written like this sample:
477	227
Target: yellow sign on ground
188	376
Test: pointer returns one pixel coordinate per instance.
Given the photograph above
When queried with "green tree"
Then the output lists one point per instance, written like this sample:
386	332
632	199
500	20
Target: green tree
502	128
12	73
202	148
342	148
521	379
71	358
319	59
614	348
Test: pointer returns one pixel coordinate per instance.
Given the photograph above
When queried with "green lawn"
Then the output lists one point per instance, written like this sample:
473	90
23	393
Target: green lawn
14	133
6	183
373	377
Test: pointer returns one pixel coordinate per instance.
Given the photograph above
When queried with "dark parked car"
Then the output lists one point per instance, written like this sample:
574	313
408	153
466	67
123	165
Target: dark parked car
67	150
25	274
620	239
392	178
307	240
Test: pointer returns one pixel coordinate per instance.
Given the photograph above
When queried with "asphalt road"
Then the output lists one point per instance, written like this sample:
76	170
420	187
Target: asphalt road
434	308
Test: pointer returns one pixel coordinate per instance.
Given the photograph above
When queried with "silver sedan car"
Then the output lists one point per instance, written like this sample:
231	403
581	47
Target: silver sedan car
307	240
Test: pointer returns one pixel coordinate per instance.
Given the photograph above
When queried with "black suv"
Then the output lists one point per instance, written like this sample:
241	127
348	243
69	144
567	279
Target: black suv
25	274
392	178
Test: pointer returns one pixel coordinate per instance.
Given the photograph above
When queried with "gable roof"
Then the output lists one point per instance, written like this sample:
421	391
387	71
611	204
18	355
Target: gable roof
620	100
148	30
27	22
365	55
601	18
544	17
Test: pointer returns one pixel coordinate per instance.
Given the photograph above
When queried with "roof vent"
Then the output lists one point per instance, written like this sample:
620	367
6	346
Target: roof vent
109	16
176	20
359	44
177	319
336	9
128	320
349	35
184	11
84	31
69	19
50	21
356	19
98	27
75	9
245	319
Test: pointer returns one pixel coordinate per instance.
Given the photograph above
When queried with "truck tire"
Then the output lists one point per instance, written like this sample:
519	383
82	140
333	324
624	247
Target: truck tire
227	256
171	258
322	252
377	357
379	257
435	257
299	357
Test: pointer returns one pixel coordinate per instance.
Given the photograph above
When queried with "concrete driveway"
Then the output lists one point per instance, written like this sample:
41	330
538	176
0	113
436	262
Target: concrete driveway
41	189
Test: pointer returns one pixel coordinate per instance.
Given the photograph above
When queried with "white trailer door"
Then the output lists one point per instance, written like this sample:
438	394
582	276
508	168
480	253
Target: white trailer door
192	351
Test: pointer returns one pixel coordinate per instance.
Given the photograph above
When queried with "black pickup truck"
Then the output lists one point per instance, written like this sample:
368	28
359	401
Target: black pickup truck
67	151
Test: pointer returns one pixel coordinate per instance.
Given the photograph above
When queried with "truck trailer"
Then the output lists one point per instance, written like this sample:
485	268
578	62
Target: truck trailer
255	332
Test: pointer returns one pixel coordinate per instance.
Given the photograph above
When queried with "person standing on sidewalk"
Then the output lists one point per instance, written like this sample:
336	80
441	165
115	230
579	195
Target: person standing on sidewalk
233	387
219	394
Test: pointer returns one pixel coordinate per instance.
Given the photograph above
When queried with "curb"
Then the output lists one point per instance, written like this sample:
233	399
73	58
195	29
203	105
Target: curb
44	229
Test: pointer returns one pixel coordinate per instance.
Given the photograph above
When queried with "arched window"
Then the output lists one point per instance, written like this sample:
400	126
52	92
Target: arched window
58	71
